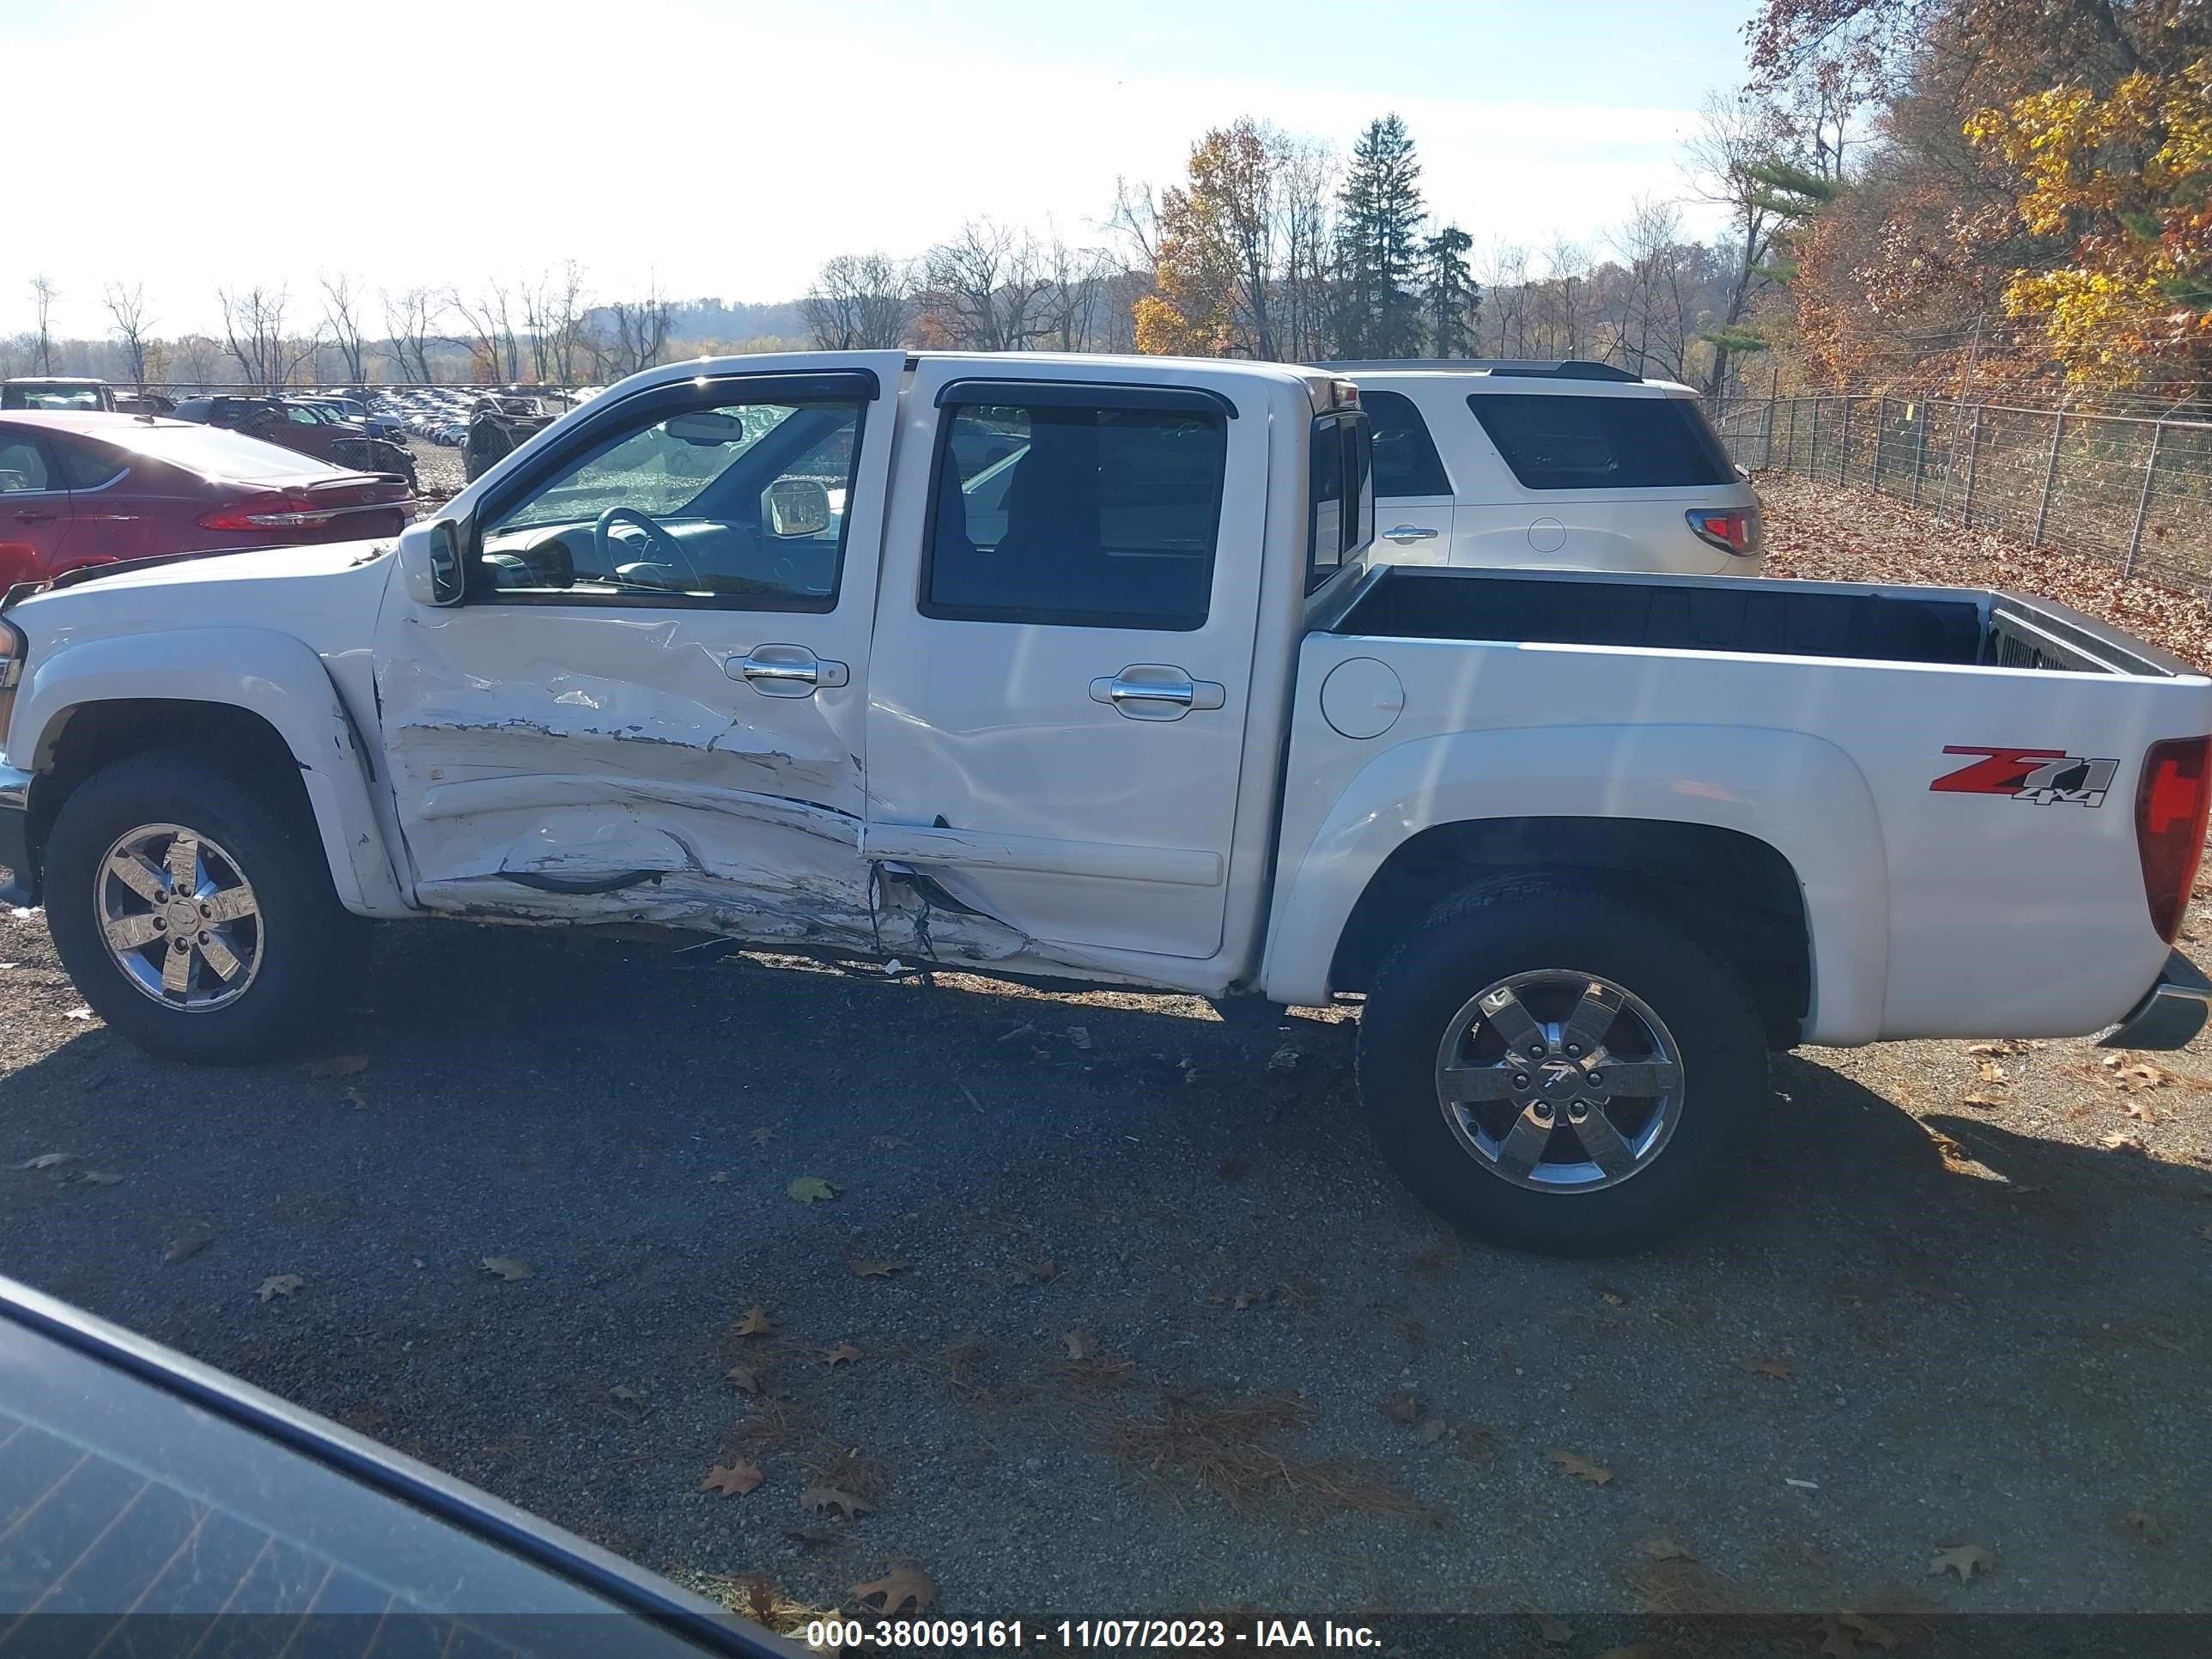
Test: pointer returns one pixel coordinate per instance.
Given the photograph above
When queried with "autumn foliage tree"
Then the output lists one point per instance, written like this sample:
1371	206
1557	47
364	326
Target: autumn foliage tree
2032	205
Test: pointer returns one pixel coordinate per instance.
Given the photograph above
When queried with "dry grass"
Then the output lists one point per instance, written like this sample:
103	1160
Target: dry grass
758	1597
1685	1589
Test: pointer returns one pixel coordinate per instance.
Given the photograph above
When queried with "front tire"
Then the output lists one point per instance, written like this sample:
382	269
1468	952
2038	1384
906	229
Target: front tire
1554	1069
192	908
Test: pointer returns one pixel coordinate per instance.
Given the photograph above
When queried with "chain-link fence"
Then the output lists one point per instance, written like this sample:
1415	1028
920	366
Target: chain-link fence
2130	488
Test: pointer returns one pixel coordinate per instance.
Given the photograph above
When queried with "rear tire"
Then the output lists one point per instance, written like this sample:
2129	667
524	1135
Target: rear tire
1542	1147
272	954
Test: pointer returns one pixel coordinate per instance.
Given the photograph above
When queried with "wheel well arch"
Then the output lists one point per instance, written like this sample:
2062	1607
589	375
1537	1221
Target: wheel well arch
89	736
1735	893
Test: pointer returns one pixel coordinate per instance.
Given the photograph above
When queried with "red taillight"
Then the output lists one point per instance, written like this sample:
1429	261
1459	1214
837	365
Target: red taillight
1728	528
272	511
2171	804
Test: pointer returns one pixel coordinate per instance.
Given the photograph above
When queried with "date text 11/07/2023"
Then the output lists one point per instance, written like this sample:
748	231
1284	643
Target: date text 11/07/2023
1085	1635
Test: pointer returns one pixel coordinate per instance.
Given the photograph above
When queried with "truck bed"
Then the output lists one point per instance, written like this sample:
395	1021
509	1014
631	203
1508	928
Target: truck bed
1960	627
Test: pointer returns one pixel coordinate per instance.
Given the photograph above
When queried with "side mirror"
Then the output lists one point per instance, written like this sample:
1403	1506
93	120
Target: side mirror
798	506
430	559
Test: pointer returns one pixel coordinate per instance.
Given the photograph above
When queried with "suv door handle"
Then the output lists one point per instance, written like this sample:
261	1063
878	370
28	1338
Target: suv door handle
1409	532
1156	691
786	670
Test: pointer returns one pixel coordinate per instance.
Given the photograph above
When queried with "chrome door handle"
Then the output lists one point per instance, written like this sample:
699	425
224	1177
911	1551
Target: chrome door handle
1409	532
786	670
1148	692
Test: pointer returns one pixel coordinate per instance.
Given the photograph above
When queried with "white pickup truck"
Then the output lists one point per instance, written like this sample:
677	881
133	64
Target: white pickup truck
1078	667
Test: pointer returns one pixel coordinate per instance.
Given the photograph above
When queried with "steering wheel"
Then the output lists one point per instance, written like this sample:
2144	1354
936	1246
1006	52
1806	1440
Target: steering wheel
657	541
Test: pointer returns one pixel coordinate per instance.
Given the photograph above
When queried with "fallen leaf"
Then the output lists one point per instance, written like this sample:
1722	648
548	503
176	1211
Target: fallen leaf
1777	1367
1556	1632
623	1394
2118	1142
2149	1528
811	1189
731	1479
1950	1151
1041	1272
1581	1468
2141	1075
337	1065
762	1135
78	1014
1403	1406
1964	1560
354	1097
817	1499
1987	1102
888	1143
1666	1549
508	1267
278	1285
757	1323
878	1269
1081	1345
898	1587
1990	1071
49	1161
843	1354
721	1177
2141	1110
90	1178
185	1246
747	1377
1081	1038
1285	1059
1865	1629
1612	1299
1802	1485
1245	1299
1432	1430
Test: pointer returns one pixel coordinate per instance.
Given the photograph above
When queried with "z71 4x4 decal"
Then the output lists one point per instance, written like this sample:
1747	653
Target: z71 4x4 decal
2043	776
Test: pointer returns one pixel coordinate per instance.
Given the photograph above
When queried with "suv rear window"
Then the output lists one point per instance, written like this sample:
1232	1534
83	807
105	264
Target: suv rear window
1593	443
1406	458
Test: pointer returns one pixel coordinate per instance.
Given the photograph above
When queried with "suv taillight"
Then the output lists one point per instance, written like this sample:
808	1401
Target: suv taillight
1726	528
2172	804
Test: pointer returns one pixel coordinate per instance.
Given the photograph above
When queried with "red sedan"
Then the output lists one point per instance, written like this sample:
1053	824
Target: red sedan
80	488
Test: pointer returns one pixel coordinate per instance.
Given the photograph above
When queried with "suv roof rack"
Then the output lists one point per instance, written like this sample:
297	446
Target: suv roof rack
1566	368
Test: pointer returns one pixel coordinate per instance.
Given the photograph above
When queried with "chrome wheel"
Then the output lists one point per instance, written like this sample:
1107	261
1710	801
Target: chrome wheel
1559	1081
179	916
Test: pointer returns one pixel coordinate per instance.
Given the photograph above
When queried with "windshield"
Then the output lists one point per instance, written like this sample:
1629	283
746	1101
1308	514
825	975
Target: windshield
65	398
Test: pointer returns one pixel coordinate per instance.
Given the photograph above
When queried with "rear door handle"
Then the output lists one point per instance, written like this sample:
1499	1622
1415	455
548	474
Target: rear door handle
1156	691
786	670
33	515
1409	532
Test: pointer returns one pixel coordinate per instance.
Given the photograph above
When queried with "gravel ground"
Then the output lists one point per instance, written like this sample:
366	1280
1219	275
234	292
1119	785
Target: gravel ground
1145	1318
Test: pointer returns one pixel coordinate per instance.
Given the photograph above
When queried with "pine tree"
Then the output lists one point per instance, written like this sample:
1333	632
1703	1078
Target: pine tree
1449	296
1378	246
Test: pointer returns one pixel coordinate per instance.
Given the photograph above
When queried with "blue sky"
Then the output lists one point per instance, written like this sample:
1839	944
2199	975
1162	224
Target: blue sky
728	149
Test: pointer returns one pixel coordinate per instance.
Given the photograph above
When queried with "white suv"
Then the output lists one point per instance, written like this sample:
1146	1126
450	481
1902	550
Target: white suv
1573	466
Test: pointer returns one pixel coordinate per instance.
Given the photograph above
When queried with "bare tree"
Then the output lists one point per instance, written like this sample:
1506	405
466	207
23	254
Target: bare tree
491	342
43	295
127	307
341	315
253	334
1738	137
410	323
1652	330
1068	307
983	289
858	300
553	318
641	328
1506	277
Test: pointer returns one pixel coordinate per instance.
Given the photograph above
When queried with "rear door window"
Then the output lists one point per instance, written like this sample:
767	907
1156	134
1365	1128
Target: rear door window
1076	514
85	466
1406	458
1556	441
